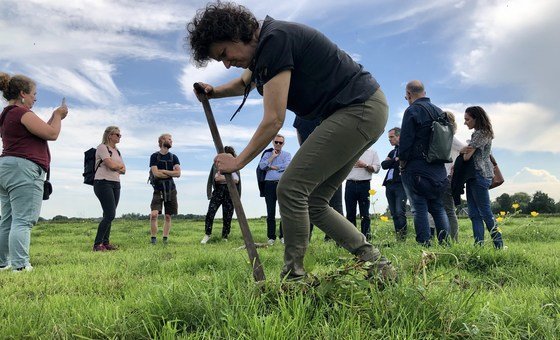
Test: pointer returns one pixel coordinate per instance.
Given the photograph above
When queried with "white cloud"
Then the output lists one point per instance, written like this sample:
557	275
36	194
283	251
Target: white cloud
512	44
68	47
92	82
528	175
529	181
214	74
519	127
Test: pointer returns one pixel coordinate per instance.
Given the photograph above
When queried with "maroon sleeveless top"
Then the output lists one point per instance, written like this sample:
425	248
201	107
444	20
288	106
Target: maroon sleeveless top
17	141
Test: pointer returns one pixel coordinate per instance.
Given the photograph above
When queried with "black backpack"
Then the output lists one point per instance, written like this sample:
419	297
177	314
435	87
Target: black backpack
151	178
261	174
441	138
90	168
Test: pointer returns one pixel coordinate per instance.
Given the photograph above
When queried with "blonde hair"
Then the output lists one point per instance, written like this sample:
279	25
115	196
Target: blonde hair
160	139
108	131
451	118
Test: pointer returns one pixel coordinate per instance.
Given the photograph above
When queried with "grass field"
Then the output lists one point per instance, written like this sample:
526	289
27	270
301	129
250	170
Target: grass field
189	290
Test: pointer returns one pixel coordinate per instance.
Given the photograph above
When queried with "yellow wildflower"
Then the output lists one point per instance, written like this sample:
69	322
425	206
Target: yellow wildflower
503	213
534	213
384	218
515	205
499	219
372	192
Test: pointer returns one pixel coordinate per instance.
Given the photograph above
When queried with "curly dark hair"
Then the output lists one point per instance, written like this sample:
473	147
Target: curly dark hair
482	121
230	150
219	21
12	86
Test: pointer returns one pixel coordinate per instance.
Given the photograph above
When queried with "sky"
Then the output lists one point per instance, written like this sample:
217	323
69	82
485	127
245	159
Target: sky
124	63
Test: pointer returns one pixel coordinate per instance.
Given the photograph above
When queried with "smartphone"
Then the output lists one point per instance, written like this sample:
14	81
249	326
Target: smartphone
63	101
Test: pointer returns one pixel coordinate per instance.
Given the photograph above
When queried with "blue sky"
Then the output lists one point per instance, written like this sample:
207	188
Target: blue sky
123	63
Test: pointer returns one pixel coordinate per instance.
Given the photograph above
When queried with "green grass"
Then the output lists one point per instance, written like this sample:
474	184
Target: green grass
189	290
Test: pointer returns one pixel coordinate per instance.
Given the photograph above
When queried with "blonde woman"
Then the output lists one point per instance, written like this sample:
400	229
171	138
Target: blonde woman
24	161
106	184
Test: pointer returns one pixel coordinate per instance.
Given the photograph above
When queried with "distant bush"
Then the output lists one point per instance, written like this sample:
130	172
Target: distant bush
59	218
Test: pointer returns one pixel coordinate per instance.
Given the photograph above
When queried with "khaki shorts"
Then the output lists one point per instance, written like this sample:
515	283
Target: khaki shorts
170	205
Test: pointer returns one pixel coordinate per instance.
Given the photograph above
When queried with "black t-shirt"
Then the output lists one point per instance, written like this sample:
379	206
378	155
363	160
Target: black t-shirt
166	162
324	78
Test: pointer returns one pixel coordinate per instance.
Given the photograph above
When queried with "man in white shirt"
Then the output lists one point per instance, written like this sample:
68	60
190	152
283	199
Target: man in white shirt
357	189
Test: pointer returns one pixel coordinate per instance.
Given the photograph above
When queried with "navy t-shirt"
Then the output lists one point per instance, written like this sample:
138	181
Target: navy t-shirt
324	78
166	162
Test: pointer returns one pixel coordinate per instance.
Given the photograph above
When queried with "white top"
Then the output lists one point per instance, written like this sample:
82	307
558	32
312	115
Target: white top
363	174
455	148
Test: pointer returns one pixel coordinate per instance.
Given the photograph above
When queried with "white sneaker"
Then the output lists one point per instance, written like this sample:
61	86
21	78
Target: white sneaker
270	242
205	239
7	267
282	240
27	268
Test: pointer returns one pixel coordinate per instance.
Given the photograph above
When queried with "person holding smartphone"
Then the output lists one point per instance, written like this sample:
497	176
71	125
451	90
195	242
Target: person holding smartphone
24	161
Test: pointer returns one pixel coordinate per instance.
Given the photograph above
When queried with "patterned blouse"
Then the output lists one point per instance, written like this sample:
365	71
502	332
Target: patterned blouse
482	141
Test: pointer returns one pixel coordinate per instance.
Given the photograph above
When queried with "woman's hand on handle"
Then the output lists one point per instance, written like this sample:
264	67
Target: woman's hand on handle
226	163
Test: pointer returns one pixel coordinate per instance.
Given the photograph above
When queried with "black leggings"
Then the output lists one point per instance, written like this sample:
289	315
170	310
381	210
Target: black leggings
220	196
108	193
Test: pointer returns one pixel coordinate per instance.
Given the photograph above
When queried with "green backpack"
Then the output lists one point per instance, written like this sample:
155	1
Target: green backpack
441	138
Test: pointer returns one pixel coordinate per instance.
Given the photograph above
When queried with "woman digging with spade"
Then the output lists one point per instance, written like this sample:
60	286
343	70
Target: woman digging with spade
296	67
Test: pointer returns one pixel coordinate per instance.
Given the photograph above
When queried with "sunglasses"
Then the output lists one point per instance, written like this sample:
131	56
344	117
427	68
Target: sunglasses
117	134
278	142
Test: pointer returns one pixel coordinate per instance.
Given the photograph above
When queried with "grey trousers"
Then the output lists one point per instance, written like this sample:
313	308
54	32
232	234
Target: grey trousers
449	207
316	172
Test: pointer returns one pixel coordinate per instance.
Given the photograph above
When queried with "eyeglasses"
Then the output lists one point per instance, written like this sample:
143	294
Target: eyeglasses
278	142
117	134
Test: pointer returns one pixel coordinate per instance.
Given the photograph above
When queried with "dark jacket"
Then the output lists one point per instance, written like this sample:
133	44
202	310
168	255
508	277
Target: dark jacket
416	129
261	174
211	185
392	164
462	172
414	139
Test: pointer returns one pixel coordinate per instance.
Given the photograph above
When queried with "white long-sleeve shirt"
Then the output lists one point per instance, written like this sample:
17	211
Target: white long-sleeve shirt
361	174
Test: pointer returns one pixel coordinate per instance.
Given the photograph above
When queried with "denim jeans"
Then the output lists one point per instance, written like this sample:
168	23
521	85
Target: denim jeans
108	193
21	196
357	192
423	203
396	197
480	213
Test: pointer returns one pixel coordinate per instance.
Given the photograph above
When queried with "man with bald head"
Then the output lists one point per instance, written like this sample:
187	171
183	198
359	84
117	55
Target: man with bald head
424	181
